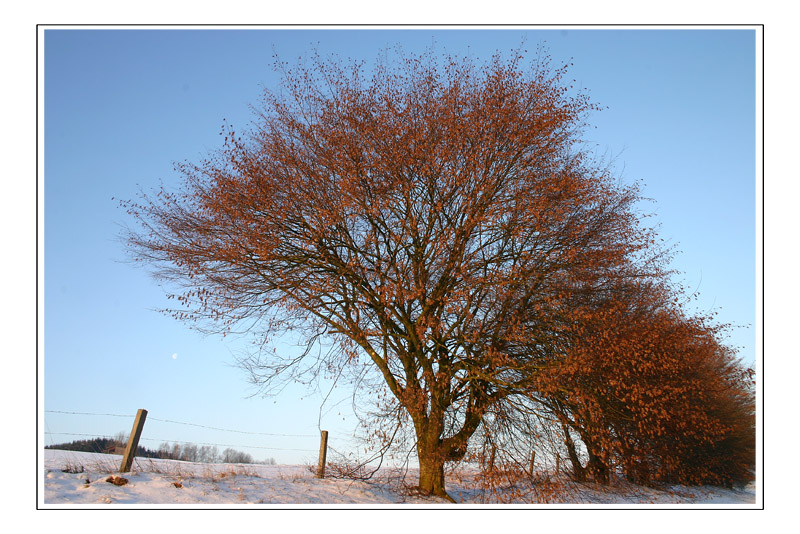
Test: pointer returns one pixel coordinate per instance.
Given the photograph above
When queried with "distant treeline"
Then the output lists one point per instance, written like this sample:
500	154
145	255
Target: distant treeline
188	452
103	446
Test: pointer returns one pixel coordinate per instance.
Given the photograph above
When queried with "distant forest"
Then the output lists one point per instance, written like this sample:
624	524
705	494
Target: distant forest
188	452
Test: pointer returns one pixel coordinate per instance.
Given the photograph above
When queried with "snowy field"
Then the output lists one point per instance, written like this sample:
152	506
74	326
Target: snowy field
80	480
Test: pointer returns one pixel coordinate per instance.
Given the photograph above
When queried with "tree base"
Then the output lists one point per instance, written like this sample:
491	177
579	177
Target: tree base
418	491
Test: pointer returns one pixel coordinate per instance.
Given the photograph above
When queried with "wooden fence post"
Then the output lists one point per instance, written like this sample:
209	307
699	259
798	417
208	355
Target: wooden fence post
323	454
133	441
533	458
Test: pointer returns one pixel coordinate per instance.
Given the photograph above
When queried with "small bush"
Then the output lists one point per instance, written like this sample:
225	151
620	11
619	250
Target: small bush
73	468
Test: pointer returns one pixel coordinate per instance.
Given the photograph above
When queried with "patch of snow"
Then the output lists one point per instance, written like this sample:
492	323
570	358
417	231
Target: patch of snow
78	479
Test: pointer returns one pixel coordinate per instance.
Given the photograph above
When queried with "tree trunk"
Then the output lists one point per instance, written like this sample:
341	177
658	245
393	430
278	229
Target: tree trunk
597	468
431	476
432	456
433	450
578	472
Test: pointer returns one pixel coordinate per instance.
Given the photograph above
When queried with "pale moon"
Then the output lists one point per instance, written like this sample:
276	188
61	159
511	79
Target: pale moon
175	356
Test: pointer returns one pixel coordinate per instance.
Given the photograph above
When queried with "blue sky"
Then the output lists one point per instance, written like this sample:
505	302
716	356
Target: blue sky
120	106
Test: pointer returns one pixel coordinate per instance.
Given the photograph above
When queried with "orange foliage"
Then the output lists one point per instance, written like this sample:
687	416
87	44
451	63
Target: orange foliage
654	391
442	224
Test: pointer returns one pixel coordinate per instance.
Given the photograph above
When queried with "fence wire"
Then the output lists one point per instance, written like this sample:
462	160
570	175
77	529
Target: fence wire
187	424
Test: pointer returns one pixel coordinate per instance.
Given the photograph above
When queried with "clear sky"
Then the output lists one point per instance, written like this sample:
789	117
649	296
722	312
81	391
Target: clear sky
121	105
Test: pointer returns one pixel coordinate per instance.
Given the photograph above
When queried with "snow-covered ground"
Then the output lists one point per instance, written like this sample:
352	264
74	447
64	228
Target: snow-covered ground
76	479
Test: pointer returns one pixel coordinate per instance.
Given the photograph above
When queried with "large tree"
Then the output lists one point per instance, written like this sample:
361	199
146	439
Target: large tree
438	218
